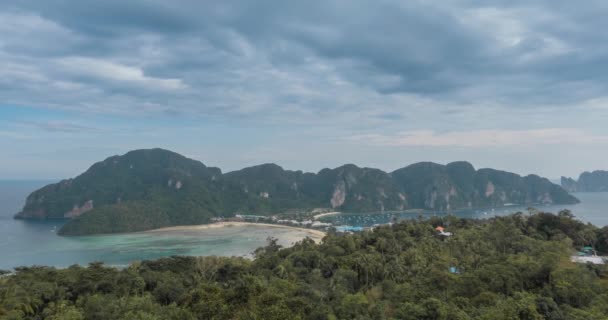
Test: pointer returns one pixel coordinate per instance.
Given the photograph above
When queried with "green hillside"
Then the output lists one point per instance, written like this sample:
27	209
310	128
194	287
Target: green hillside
514	267
146	189
595	181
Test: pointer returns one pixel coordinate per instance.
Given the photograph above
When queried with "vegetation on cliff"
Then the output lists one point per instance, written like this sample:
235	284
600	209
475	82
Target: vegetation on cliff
596	181
147	189
514	267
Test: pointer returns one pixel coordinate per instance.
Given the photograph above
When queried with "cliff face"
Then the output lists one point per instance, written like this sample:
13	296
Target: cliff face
154	188
347	188
459	185
596	181
569	184
141	175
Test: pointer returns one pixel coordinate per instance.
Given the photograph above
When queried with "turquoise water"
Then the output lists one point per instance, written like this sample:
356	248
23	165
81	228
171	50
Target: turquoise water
592	209
35	243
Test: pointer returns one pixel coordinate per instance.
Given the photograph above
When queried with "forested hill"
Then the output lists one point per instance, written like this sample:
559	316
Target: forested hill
514	267
595	181
146	189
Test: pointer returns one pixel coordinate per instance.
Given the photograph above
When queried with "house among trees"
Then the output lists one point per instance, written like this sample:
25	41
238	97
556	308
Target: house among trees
588	254
441	231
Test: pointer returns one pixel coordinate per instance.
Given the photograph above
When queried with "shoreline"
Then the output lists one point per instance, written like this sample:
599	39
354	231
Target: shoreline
316	235
327	214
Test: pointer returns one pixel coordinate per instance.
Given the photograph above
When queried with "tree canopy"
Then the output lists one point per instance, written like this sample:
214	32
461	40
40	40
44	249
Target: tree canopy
153	188
513	267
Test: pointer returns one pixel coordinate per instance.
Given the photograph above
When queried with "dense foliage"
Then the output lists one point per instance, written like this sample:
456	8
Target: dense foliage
514	267
147	189
596	181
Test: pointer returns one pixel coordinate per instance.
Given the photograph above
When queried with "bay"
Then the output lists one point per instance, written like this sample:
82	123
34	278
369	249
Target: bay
26	243
591	209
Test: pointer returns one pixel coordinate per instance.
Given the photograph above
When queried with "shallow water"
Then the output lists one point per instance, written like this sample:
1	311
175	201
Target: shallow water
26	243
592	209
30	243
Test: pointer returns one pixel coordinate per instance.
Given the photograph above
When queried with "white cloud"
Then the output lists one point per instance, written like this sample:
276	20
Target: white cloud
30	32
514	32
483	138
103	69
316	71
14	135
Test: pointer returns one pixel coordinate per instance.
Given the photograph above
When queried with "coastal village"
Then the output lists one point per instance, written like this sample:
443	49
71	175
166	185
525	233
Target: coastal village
311	220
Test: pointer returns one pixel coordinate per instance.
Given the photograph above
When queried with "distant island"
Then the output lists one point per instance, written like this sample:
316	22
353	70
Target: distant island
155	188
596	181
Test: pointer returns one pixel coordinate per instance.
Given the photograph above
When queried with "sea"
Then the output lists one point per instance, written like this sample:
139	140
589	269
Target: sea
593	209
27	243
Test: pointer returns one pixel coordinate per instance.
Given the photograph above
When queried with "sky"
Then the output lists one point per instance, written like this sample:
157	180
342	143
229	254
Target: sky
513	85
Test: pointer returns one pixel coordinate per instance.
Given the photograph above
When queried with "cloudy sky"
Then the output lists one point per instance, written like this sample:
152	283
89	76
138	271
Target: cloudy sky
514	85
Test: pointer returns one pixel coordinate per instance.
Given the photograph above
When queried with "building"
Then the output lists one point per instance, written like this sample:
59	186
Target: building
588	259
441	231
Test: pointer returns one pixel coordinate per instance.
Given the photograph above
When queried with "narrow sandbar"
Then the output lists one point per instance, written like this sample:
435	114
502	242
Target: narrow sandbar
327	214
315	235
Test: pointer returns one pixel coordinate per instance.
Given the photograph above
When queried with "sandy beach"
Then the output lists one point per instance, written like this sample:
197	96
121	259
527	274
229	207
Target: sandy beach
327	214
316	235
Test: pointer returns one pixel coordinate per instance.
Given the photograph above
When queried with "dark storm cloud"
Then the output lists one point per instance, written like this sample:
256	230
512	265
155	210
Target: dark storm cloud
286	57
108	18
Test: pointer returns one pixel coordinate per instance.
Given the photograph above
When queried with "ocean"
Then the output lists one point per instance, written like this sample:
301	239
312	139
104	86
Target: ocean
26	243
591	209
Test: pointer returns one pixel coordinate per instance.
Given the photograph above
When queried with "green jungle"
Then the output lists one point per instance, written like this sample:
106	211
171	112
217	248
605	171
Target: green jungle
512	267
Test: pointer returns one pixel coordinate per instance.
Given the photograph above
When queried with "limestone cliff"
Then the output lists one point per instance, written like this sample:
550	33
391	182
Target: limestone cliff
596	181
145	189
